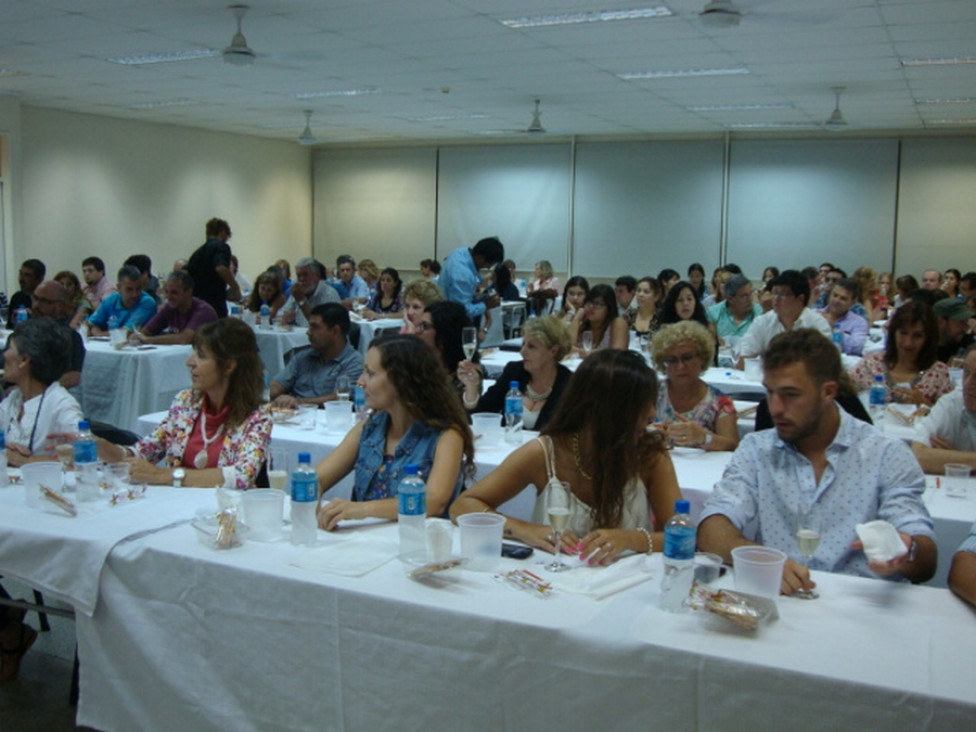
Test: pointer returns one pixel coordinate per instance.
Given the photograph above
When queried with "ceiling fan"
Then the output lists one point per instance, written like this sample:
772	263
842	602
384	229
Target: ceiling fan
836	122
238	53
307	138
720	14
535	126
727	14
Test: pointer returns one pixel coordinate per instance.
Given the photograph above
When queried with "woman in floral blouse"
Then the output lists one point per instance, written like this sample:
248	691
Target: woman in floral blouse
692	413
415	420
216	432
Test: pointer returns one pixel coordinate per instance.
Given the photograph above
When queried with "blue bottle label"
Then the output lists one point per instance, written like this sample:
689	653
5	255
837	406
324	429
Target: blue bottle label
304	488
412	503
679	542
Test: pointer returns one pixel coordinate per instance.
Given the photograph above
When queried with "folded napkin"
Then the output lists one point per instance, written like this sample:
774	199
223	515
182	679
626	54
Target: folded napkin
881	541
349	555
601	582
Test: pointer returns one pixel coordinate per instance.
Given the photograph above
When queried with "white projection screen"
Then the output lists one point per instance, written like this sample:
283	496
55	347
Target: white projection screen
794	203
644	206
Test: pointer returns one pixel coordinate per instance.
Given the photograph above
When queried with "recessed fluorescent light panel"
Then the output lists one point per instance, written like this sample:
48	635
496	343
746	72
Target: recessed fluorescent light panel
7	73
164	57
737	107
771	125
449	117
675	73
591	16
338	93
965	122
955	100
938	61
163	103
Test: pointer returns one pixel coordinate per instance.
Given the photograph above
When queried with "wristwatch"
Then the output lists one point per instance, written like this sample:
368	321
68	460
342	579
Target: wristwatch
178	475
912	551
708	438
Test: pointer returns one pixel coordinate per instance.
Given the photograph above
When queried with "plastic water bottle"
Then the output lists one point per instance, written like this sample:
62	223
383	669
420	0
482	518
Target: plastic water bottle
304	498
84	449
513	414
4	479
265	316
412	511
359	402
837	336
679	558
878	401
20	314
235	311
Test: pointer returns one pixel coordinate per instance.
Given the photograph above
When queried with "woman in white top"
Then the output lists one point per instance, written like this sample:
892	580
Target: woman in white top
38	405
598	442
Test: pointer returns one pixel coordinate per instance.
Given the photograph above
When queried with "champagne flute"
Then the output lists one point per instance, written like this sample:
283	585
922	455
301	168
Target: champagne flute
558	501
469	341
343	388
278	470
807	539
587	341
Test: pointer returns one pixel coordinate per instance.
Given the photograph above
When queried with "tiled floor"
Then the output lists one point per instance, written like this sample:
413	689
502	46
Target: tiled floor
37	701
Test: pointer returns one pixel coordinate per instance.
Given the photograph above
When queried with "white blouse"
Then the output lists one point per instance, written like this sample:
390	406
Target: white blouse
54	410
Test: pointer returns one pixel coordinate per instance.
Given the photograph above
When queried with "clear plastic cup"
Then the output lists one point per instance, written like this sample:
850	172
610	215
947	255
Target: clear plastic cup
758	570
487	428
957	479
338	416
264	511
36	475
481	540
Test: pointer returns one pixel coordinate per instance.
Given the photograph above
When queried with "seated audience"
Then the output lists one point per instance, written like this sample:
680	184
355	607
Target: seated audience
681	303
386	300
908	363
440	327
370	274
286	282
967	285
599	318
418	295
696	277
954	337
76	306
30	275
37	405
216	432
130	306
574	295
904	286
506	289
870	304
415	420
312	374
931	279
690	412
733	317
150	283
348	284
310	290
962	572
765	296
624	289
179	318
545	284
621	477
243	283
948	433
825	284
49	299
97	285
818	454
643	319
791	294
430	269
668	279
839	314
267	291
541	378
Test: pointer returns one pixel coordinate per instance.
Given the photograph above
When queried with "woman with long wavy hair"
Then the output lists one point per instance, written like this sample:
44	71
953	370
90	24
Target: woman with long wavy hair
598	442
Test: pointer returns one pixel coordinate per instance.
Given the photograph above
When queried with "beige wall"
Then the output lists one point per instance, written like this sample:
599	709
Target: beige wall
96	185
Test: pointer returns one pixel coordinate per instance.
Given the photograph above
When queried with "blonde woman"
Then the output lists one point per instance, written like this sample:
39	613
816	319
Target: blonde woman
418	295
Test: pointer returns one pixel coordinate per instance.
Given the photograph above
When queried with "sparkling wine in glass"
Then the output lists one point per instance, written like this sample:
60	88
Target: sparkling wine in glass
587	341
558	503
343	388
807	539
469	341
278	470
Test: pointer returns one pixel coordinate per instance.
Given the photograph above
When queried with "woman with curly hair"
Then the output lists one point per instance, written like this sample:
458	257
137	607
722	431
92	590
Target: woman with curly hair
415	420
267	291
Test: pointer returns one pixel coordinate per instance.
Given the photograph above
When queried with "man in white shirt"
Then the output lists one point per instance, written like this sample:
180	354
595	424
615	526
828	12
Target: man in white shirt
948	434
310	290
791	294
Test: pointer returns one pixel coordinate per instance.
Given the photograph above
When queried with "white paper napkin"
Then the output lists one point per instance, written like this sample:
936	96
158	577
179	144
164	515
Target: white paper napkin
881	541
349	555
600	582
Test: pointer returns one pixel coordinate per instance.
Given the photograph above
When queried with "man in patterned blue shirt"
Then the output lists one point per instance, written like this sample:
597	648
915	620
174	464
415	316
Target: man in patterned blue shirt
817	453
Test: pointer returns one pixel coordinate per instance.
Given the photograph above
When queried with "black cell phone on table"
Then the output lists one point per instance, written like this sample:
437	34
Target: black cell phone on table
516	551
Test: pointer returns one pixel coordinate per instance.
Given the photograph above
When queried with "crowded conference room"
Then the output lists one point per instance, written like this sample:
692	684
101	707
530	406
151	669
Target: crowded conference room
502	360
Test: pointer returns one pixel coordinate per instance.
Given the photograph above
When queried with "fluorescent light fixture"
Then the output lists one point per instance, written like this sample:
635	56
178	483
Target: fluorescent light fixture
771	125
590	16
163	57
338	93
939	61
737	107
676	73
966	122
449	117
955	100
8	73
163	103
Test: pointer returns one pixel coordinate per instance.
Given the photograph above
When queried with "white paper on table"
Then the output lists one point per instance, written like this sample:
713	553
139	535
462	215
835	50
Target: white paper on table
349	555
601	582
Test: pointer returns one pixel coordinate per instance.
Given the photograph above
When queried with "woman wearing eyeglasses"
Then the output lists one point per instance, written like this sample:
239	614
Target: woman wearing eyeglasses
692	413
600	318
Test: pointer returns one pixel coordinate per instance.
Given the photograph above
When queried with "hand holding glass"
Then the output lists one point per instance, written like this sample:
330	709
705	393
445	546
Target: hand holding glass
808	539
558	502
587	341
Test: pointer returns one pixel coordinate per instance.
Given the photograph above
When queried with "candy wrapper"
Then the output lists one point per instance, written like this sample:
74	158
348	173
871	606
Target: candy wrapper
742	610
221	532
523	579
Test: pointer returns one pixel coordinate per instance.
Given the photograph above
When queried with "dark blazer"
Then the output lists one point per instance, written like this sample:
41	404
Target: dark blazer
493	400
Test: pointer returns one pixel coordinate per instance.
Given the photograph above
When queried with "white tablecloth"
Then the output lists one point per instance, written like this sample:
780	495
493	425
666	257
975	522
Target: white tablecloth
274	343
119	385
368	330
187	637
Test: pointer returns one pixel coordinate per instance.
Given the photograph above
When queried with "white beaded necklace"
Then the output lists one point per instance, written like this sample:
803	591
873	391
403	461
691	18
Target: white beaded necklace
201	459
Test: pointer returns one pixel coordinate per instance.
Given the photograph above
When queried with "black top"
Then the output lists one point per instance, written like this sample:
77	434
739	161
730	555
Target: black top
946	353
850	403
19	299
207	284
493	400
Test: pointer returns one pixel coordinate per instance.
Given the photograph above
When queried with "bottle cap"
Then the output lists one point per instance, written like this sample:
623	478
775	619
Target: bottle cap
878	378
682	506
513	385
411	469
84	425
304	457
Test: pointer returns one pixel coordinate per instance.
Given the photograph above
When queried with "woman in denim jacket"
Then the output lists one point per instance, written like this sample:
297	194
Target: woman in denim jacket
416	419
